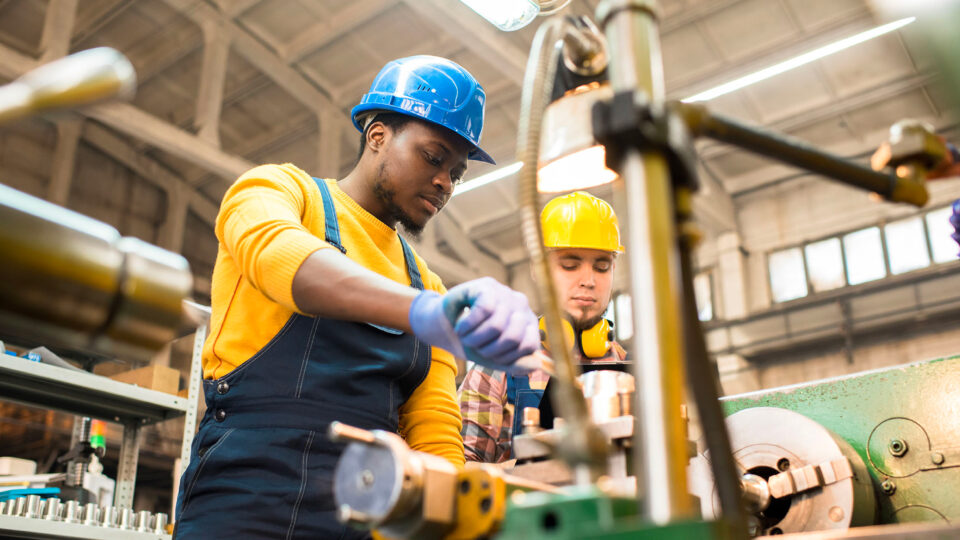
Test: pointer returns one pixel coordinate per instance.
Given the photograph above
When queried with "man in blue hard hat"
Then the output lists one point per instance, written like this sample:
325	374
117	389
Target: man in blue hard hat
322	312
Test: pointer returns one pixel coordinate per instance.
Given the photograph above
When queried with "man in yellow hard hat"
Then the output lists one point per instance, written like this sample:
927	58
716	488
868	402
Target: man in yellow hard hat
581	234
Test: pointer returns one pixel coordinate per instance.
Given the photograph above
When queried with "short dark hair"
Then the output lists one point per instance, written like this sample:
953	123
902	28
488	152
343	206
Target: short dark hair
394	121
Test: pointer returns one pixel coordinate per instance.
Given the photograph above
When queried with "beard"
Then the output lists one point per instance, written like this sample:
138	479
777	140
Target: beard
386	195
585	324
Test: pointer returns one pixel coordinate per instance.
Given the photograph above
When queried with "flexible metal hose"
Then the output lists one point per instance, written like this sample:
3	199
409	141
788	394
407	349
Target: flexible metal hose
537	88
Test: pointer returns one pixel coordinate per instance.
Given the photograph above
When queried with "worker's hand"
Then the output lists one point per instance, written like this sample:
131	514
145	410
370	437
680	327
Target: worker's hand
498	329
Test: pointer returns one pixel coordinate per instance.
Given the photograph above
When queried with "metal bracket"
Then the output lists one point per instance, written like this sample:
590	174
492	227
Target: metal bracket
631	120
943	458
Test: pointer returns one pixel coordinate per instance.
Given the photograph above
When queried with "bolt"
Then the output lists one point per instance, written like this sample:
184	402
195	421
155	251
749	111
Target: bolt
783	464
835	514
897	447
936	458
888	487
366	476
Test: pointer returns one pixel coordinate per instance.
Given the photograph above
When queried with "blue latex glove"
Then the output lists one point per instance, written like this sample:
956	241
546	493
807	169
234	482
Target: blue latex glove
498	329
955	221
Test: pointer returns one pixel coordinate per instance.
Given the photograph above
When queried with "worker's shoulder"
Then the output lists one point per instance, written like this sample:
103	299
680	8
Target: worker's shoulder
285	172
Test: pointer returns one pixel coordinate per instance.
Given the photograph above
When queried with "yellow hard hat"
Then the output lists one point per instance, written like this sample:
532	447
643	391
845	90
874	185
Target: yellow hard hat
580	220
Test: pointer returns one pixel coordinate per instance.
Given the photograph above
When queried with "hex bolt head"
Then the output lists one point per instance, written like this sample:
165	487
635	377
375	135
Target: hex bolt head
888	487
897	447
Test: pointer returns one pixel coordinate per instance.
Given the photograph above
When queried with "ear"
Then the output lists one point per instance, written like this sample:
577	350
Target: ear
377	135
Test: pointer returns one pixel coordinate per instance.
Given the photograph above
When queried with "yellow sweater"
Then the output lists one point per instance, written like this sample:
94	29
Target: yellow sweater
270	220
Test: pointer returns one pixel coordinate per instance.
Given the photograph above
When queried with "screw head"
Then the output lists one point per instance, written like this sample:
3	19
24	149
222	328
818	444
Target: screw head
897	447
888	487
936	458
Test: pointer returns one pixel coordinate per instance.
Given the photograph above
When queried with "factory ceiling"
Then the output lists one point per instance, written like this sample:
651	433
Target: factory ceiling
225	84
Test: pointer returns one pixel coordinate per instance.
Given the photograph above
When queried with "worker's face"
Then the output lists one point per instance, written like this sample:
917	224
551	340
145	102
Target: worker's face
417	168
584	279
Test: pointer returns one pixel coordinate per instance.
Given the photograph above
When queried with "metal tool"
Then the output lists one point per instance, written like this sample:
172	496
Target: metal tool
80	79
381	483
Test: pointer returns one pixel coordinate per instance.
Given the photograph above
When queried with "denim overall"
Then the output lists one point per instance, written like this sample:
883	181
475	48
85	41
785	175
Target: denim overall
521	395
261	465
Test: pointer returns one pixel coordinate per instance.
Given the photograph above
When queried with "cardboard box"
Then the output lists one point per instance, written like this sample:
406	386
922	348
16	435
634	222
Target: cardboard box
160	378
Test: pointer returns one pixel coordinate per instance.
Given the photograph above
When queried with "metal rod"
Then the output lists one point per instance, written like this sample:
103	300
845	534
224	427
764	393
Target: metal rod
798	153
340	432
635	64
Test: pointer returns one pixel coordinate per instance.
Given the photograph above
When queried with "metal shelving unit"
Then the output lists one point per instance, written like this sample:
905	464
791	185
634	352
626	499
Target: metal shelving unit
85	394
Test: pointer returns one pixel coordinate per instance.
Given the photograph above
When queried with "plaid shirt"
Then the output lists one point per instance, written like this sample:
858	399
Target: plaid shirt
487	414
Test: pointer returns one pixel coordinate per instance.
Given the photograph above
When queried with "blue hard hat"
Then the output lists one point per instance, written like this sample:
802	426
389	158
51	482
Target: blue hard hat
431	88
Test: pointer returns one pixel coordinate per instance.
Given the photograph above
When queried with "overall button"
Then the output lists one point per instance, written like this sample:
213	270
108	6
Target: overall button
201	451
221	415
223	387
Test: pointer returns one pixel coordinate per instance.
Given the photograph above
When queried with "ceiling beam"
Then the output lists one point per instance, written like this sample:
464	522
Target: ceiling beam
333	28
233	8
475	33
265	60
64	160
140	125
57	29
216	48
150	169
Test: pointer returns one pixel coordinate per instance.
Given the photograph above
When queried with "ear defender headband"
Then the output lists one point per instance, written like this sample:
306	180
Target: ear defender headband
594	342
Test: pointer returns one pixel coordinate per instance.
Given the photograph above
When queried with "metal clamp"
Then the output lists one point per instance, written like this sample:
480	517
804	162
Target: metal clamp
795	481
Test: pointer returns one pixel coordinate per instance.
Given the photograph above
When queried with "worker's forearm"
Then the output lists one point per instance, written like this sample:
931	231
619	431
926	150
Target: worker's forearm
328	284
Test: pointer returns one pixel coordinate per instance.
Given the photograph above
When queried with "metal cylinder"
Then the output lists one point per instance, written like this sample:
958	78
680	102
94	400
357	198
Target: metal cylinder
32	509
109	516
71	512
128	519
635	64
91	514
144	518
160	523
52	509
72	282
19	506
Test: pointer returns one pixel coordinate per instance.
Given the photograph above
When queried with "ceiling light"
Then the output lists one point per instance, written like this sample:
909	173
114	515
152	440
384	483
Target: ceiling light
485	179
507	15
797	61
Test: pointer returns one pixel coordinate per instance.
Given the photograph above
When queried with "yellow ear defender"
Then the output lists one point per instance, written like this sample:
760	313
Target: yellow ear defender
594	342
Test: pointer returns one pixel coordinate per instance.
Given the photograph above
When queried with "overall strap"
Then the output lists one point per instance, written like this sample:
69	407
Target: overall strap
332	228
415	281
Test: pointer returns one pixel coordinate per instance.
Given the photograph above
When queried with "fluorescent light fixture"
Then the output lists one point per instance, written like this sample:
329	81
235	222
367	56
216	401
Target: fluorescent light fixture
797	61
488	178
712	93
582	169
507	15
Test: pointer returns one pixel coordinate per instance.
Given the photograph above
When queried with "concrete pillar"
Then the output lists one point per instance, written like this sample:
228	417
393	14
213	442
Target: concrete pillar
731	277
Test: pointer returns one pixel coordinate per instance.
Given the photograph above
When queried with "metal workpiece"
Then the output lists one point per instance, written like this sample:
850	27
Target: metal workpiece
128	519
144	521
160	523
814	479
91	514
52	509
890	185
608	393
32	507
379	482
71	282
18	527
109	516
71	512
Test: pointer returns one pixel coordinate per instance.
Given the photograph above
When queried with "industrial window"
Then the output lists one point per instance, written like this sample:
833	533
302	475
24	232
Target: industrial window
861	256
788	279
942	246
703	291
864	256
825	264
623	306
906	245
